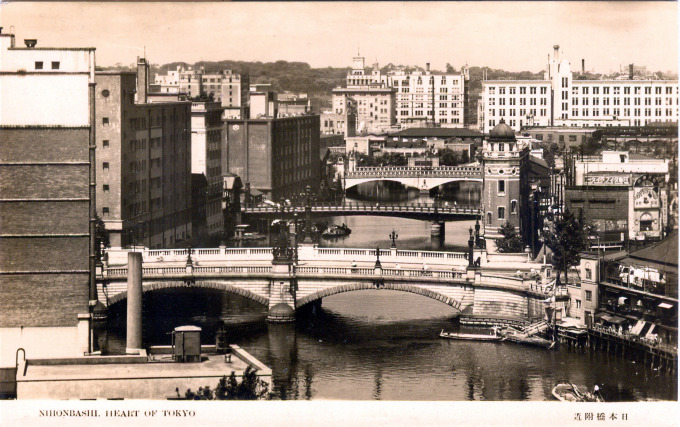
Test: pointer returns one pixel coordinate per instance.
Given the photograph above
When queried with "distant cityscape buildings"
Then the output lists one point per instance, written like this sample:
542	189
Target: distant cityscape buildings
406	99
564	99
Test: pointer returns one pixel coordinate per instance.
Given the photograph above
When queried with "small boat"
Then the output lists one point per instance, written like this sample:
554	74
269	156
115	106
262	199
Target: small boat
470	337
529	340
336	231
571	393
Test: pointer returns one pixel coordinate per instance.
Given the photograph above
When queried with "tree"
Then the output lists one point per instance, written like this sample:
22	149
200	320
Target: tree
250	388
569	238
511	241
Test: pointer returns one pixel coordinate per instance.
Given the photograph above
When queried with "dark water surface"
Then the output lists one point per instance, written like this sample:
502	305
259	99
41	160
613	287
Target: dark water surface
384	345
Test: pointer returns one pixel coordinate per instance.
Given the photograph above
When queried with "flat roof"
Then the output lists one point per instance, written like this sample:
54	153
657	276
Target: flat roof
438	132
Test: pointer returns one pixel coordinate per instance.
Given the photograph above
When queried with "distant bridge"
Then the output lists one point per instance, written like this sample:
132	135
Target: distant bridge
421	178
440	211
496	290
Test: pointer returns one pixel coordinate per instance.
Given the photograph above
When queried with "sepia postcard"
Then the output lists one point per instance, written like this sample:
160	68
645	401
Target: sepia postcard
339	213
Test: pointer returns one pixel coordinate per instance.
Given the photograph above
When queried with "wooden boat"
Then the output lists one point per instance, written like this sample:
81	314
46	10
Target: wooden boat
529	340
571	393
470	337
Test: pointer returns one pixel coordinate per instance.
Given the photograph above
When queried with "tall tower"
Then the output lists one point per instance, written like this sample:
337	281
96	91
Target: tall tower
502	161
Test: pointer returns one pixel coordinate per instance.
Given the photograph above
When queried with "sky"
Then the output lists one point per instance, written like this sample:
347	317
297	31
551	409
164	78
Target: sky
515	36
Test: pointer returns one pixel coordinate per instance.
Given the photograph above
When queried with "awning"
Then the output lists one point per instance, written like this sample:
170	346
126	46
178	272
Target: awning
665	305
617	320
606	317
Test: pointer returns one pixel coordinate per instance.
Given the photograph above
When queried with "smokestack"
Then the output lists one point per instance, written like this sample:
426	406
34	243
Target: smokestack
427	67
142	80
556	54
630	71
583	66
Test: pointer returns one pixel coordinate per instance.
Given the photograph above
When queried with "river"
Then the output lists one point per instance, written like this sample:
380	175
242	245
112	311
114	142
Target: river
384	345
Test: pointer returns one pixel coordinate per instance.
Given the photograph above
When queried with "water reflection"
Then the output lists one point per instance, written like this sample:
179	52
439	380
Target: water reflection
384	345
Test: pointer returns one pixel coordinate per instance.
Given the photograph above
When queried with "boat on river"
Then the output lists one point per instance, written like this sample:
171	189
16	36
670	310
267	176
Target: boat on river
470	337
336	231
571	393
528	340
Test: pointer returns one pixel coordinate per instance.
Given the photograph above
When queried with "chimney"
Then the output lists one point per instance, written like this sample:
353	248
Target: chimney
583	66
630	71
556	55
142	80
427	67
30	43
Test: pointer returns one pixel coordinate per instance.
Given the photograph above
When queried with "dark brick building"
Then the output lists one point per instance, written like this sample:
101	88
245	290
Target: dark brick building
277	156
46	200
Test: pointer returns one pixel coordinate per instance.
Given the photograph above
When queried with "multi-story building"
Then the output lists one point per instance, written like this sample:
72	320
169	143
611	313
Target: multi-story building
370	98
206	155
423	98
144	162
47	237
623	194
513	179
293	104
420	98
226	87
276	156
339	124
560	99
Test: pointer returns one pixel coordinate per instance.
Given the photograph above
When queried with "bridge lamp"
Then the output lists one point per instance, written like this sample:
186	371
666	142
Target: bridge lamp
394	236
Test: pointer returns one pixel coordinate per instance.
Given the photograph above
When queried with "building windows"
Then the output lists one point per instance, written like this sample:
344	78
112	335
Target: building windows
605	90
578	303
544	90
565	82
105	166
589	294
501	212
513	206
522	90
617	90
596	91
532	90
105	143
38	65
512	90
105	120
575	101
55	65
501	90
105	211
626	91
585	90
501	185
105	188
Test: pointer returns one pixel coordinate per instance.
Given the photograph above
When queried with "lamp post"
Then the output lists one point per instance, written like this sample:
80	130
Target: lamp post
394	236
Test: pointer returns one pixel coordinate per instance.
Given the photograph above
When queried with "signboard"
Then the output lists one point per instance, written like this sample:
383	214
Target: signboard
607	179
645	198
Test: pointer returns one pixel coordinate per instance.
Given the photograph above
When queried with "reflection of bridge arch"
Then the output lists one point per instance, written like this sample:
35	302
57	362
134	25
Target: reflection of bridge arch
201	284
388	286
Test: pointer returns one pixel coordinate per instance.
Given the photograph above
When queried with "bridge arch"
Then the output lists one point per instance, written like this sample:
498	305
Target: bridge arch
403	287
201	284
419	183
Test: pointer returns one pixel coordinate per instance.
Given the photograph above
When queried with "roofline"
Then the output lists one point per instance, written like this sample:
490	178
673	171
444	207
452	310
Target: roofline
54	48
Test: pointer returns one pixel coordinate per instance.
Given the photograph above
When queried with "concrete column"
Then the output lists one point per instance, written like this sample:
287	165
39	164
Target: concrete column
134	303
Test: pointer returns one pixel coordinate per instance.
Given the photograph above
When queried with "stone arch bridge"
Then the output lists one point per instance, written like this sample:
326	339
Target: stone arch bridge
322	272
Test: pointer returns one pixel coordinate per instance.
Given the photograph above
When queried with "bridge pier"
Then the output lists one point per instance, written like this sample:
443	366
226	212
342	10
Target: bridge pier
282	288
438	229
133	343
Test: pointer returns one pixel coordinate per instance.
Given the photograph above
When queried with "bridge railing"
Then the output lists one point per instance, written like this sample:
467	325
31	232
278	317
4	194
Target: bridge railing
443	208
119	257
